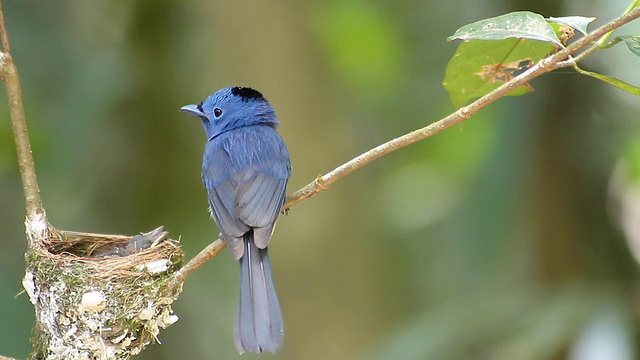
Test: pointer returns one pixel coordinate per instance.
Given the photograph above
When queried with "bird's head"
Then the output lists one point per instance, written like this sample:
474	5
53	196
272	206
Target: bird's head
231	108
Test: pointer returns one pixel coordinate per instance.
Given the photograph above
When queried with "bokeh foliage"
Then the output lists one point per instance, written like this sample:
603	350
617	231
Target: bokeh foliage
491	240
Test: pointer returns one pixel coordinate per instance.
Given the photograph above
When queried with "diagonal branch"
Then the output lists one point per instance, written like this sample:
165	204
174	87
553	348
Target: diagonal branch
543	66
322	182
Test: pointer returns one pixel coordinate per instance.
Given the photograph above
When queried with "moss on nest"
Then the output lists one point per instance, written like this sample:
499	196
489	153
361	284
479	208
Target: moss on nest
105	307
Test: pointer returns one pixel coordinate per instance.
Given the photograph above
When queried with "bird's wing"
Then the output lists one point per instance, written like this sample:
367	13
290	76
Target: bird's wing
259	200
221	199
252	203
221	189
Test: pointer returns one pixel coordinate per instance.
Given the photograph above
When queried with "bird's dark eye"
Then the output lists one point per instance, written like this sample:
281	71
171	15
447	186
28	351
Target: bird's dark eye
217	112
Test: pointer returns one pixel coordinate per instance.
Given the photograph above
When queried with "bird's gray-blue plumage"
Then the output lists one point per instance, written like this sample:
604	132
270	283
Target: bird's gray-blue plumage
245	171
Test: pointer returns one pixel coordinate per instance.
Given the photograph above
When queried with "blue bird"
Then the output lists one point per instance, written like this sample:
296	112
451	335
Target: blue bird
245	170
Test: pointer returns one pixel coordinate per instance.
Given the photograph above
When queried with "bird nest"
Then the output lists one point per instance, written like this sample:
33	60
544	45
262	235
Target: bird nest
100	296
109	255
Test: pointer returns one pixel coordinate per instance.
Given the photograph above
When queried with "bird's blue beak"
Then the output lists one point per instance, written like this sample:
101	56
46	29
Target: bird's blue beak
194	109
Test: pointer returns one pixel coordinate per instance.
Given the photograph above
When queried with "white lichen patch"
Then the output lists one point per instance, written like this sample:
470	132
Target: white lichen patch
71	332
29	286
3	58
63	320
127	342
92	324
92	301
167	319
147	313
156	266
37	226
118	339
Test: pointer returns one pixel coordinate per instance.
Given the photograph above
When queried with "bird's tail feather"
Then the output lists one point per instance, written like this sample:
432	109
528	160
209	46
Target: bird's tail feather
259	324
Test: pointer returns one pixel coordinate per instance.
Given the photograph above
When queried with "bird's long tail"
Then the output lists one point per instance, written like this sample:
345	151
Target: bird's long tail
259	324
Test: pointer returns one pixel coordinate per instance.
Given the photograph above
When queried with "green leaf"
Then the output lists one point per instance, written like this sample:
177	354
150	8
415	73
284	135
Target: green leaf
579	23
610	80
480	66
520	24
633	43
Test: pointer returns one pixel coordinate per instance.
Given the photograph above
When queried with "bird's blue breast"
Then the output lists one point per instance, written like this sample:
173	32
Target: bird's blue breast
244	151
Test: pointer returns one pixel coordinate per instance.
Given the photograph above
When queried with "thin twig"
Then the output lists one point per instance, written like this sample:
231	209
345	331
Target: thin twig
9	75
203	256
543	66
598	45
322	182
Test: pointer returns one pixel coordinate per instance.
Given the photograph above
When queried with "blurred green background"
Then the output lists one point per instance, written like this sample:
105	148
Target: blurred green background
502	238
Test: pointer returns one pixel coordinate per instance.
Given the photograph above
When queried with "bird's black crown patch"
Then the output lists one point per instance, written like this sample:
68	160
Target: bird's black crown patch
246	93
